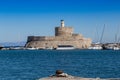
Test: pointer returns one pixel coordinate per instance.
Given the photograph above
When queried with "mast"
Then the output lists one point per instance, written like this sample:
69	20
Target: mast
117	35
97	35
102	34
117	38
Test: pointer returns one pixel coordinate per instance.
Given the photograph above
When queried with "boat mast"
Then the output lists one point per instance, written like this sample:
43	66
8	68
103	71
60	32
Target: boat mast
102	34
117	38
97	36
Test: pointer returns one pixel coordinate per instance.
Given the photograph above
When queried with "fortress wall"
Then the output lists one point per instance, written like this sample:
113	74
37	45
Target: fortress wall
77	36
48	44
76	41
49	38
63	31
35	38
54	38
40	38
68	38
63	38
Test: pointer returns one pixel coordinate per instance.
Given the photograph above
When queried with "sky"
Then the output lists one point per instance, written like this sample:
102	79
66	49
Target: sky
22	18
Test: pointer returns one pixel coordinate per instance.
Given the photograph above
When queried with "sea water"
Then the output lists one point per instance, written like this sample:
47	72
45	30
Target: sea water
35	64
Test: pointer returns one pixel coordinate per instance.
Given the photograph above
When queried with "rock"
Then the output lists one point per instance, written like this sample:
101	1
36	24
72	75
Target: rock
60	75
59	71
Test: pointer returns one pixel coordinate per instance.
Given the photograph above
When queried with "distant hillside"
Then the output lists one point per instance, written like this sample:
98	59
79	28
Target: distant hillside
12	44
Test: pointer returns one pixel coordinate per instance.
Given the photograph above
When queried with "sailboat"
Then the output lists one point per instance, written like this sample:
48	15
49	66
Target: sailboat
98	45
113	46
116	46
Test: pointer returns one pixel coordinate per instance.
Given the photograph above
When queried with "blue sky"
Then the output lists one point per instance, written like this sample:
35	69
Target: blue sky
22	18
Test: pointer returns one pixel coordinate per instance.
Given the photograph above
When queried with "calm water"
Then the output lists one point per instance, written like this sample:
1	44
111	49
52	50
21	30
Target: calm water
31	65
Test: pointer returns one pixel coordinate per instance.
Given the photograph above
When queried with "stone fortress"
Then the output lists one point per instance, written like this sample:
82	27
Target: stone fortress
63	36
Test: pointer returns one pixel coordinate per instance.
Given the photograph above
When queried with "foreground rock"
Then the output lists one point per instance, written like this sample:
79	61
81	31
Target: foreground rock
69	78
75	78
60	75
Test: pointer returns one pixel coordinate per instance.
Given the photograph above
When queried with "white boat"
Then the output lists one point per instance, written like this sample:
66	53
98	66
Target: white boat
116	48
95	47
32	48
64	47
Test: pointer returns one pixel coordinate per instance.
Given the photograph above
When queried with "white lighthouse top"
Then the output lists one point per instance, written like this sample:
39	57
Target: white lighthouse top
62	23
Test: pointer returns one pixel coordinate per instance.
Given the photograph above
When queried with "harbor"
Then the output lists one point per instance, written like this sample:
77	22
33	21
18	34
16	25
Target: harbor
59	39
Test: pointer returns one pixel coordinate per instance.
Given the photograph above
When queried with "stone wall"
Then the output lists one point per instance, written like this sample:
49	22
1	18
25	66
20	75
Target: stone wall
40	38
52	42
55	38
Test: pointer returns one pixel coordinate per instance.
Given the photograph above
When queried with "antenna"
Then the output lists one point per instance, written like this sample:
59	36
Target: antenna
102	34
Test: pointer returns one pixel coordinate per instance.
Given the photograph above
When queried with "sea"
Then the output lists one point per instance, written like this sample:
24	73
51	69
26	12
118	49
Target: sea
35	64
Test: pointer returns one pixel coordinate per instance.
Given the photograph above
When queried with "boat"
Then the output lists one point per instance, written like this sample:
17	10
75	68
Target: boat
116	48
96	46
65	47
32	48
99	44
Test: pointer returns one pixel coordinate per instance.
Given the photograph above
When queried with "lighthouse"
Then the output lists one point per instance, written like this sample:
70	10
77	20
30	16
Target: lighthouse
62	23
